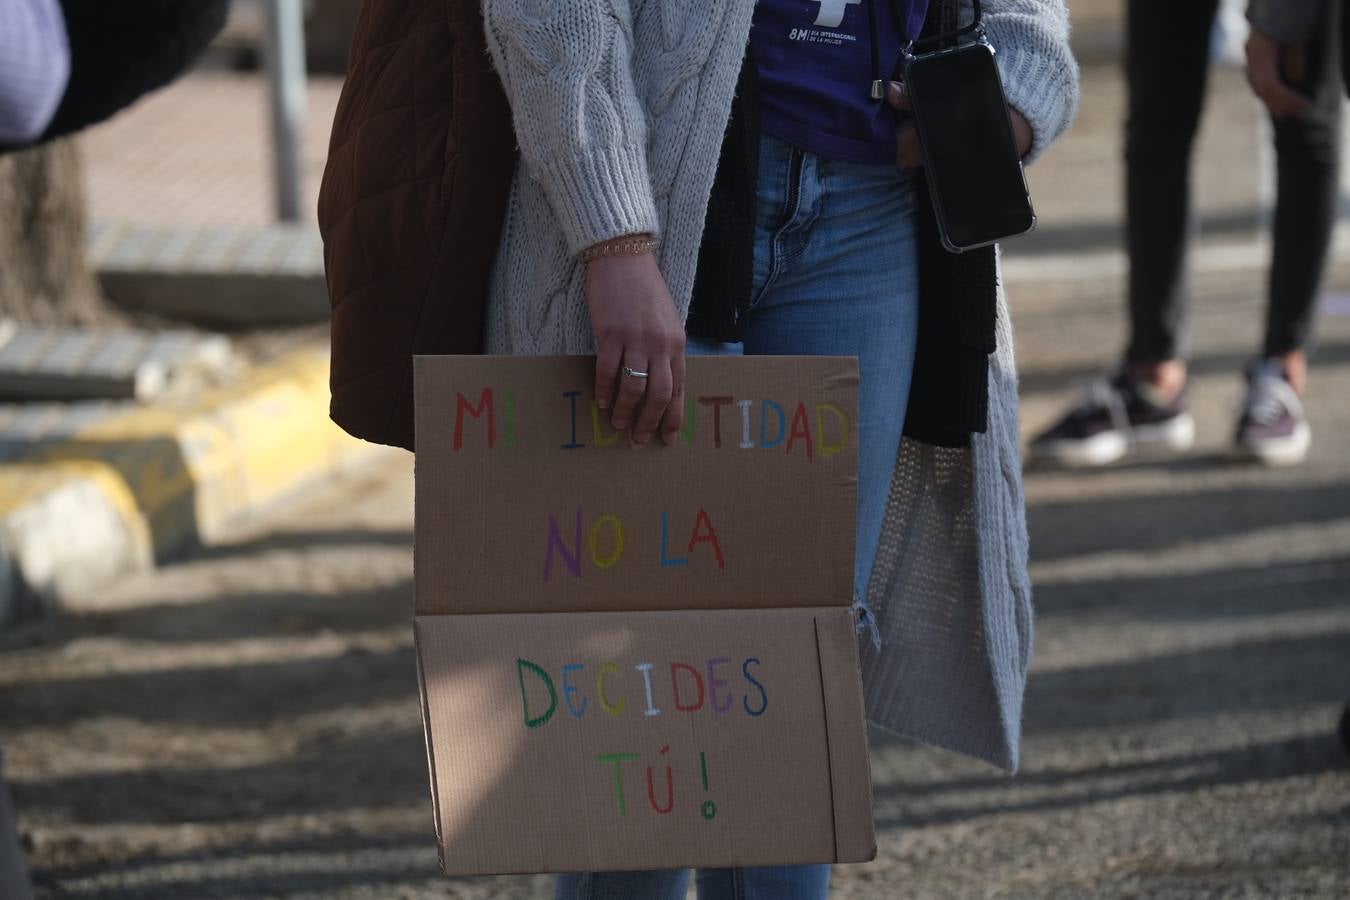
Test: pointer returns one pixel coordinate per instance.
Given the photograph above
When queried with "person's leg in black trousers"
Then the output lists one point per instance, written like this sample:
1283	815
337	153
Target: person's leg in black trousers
1273	427
1309	153
1166	67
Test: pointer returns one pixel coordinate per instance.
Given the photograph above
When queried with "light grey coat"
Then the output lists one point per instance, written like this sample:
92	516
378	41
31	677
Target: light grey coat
619	108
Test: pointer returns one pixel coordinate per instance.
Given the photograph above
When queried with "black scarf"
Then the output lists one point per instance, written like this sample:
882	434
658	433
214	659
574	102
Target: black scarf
121	51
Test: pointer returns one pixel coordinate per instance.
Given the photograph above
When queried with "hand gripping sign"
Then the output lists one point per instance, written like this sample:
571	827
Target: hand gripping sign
636	658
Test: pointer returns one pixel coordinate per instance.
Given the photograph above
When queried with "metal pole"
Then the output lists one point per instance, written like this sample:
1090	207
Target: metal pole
285	56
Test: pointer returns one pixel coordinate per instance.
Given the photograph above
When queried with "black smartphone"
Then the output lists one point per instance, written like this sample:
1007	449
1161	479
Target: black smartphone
974	171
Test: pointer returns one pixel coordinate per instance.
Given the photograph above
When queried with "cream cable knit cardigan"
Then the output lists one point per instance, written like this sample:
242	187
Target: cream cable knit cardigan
619	108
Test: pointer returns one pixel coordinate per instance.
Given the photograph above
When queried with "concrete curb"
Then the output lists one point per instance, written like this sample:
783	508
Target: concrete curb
145	484
213	275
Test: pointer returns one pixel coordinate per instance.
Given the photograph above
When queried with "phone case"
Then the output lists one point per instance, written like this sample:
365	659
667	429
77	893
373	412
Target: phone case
979	45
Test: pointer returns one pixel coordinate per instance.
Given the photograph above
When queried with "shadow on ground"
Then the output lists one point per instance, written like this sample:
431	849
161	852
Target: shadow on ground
1067	788
1161	521
337	770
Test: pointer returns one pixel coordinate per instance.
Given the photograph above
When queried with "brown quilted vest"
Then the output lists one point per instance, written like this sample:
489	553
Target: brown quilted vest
411	209
411	205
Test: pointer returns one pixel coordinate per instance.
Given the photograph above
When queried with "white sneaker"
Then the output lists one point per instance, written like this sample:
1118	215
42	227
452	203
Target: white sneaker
1273	428
1116	416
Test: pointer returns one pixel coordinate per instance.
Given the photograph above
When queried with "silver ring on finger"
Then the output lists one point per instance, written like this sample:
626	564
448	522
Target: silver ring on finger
630	372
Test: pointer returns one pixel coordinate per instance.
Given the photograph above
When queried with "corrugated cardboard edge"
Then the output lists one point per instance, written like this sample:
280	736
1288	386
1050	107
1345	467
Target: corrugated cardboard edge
850	773
431	753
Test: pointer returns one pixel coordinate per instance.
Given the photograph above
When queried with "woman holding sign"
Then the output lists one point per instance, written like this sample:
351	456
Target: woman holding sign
678	194
726	176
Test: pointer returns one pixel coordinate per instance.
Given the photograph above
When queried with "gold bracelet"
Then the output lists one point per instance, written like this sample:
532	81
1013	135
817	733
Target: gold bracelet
628	245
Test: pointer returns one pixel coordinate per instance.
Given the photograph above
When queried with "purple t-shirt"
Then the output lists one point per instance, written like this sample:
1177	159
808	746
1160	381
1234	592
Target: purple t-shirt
814	59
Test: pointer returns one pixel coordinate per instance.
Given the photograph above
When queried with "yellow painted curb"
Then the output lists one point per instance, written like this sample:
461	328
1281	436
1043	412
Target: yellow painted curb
176	474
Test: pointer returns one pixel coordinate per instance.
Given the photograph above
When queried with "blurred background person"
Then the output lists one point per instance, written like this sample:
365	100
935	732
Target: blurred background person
1295	53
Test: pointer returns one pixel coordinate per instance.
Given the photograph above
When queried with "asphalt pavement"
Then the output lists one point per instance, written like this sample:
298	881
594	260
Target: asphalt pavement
245	723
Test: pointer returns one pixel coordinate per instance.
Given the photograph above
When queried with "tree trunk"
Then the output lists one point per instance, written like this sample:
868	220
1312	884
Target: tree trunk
43	276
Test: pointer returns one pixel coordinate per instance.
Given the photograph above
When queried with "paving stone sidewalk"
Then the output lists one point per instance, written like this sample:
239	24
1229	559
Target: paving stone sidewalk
198	153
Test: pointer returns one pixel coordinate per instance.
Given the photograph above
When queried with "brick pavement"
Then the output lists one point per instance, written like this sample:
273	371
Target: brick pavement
198	153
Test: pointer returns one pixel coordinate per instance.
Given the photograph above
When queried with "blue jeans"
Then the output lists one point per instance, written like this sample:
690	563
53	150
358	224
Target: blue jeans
835	275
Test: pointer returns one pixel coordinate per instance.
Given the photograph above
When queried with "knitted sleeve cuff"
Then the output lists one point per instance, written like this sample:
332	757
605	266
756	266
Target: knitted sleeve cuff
600	193
1040	76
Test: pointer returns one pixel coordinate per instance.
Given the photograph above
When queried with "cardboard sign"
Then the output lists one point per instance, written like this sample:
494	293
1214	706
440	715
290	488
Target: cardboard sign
638	658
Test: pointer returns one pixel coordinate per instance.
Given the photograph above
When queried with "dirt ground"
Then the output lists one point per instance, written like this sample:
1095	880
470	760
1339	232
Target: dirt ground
245	723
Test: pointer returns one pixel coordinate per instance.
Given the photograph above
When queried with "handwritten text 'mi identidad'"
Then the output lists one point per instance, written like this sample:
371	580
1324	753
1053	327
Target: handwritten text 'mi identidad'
822	430
799	430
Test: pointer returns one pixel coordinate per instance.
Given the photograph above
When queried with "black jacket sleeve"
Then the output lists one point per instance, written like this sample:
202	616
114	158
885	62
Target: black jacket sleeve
122	51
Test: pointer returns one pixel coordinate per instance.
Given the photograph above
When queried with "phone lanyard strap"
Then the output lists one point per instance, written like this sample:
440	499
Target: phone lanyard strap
944	38
913	45
905	24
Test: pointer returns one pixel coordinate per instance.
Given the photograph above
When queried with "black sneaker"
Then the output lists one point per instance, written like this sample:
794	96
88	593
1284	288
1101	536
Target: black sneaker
1273	428
1115	416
